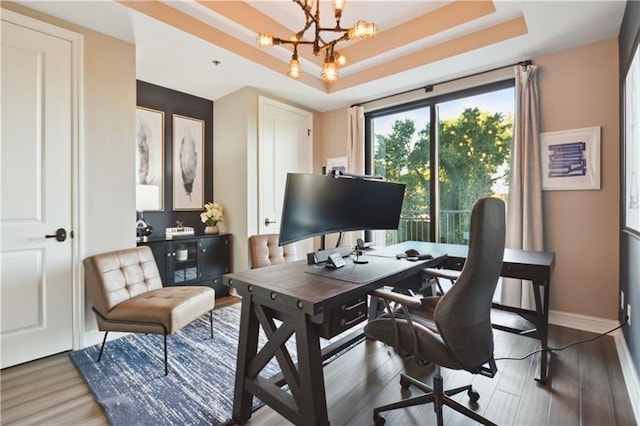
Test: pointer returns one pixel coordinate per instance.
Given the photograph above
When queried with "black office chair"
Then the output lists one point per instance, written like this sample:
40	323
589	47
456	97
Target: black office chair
452	331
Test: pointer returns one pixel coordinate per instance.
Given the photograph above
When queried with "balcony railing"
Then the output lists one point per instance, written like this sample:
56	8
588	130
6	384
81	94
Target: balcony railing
415	225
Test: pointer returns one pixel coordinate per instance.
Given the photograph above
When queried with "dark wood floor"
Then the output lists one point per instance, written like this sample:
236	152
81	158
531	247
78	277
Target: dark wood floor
586	387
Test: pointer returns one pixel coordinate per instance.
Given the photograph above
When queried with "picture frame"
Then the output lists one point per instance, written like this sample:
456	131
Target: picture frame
149	159
570	159
631	117
188	163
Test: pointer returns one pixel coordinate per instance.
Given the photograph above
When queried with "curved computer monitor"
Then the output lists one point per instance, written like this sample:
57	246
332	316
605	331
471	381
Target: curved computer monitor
323	204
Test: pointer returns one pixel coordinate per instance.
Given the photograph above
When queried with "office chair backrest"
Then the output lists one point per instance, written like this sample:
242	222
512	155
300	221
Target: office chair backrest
265	251
463	316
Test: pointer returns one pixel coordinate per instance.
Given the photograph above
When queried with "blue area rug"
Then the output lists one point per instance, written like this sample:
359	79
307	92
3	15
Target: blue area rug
130	384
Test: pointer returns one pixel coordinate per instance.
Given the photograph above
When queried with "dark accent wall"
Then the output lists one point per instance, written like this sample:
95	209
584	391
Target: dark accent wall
629	244
173	102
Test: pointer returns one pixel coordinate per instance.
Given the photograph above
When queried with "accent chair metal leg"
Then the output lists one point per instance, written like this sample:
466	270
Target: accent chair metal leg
102	347
211	321
166	363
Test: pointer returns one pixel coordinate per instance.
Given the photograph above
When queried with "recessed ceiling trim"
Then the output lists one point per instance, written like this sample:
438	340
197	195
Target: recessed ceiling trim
252	19
170	16
472	41
442	19
485	37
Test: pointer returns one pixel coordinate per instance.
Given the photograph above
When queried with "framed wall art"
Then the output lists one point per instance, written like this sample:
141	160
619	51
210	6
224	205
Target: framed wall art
149	159
570	159
632	146
188	163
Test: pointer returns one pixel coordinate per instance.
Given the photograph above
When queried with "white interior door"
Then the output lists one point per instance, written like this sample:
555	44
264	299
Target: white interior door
284	145
36	280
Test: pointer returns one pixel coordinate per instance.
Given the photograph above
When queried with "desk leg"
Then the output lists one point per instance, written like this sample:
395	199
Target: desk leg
247	349
542	309
314	405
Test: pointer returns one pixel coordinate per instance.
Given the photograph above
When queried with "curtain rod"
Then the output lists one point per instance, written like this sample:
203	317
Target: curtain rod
429	87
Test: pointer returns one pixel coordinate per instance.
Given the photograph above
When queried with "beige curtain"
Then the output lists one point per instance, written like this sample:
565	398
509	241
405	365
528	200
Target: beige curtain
524	210
355	158
355	141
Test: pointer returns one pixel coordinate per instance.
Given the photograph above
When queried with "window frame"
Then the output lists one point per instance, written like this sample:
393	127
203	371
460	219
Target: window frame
432	103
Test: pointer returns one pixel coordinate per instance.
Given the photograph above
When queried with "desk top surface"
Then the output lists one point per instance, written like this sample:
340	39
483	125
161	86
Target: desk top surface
305	283
314	288
511	256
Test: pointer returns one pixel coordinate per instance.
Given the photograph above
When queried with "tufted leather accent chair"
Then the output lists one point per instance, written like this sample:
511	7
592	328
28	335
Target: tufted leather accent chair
127	296
265	251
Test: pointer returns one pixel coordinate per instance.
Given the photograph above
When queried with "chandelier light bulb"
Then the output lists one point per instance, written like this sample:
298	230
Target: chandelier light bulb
341	60
329	72
264	40
338	7
294	71
362	30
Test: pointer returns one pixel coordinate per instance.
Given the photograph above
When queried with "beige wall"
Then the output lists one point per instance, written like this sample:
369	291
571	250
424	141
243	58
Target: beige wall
335	133
235	146
578	88
107	147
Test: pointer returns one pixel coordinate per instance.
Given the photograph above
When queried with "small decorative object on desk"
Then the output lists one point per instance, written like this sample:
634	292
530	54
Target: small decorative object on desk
212	214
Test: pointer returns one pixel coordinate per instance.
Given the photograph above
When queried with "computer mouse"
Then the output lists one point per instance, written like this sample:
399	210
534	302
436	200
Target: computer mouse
412	253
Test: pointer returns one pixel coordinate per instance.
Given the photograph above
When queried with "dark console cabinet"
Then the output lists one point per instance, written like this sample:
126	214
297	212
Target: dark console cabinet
193	260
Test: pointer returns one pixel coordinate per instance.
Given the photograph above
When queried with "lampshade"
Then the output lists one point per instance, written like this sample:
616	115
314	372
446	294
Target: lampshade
148	198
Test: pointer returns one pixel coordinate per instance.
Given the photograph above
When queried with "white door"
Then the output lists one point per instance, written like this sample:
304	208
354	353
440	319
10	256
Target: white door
284	145
36	279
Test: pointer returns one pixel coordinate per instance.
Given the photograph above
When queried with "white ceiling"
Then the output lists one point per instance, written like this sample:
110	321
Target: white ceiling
176	59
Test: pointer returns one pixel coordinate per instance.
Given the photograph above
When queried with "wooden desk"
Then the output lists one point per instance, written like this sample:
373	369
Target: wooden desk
521	264
313	306
311	302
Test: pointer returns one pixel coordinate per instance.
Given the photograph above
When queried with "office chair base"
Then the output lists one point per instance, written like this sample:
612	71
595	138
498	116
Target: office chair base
437	395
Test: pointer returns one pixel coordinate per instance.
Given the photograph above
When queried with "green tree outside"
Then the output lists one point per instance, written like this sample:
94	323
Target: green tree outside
474	152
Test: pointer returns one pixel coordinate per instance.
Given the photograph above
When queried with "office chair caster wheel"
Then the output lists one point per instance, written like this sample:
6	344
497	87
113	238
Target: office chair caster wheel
473	395
404	382
378	420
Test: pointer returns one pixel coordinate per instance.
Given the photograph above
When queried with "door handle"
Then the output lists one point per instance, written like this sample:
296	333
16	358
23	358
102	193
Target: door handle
60	235
267	222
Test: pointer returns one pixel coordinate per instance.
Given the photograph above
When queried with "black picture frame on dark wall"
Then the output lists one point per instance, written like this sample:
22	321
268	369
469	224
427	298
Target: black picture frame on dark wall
631	120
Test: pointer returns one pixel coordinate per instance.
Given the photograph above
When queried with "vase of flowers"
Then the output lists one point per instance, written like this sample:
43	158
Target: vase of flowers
212	214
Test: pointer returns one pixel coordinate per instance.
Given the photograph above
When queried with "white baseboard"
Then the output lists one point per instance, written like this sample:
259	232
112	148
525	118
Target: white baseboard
629	373
95	337
581	322
601	325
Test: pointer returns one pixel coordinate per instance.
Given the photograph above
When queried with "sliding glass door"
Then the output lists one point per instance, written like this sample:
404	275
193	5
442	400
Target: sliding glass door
445	167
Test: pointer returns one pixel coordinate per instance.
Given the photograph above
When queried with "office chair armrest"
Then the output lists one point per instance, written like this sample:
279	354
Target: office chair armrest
405	302
403	299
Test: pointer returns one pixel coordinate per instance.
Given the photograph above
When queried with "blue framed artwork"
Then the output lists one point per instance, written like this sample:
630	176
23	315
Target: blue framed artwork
570	159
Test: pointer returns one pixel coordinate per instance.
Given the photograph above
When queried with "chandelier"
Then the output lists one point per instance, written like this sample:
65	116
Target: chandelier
332	57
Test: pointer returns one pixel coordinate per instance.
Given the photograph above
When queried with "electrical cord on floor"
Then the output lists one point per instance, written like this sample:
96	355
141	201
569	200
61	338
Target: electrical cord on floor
561	348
